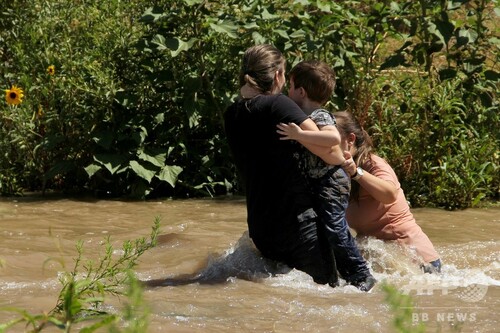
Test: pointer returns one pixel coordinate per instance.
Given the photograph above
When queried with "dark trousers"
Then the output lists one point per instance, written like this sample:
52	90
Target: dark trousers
304	249
332	197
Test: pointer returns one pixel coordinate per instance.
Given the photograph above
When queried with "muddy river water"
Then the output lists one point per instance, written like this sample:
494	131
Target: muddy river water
463	298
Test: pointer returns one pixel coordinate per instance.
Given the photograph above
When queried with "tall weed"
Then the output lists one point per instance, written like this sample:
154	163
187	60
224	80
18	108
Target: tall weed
84	289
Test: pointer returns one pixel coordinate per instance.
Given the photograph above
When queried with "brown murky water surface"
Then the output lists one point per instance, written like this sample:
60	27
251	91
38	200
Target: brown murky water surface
38	237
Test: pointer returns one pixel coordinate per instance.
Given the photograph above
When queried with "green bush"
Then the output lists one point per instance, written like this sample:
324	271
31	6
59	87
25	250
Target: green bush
440	148
136	101
436	122
49	136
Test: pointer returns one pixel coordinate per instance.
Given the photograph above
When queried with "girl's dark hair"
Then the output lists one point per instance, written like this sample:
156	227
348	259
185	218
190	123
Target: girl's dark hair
259	65
346	124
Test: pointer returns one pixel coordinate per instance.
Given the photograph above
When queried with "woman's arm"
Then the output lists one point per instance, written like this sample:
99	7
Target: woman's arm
381	190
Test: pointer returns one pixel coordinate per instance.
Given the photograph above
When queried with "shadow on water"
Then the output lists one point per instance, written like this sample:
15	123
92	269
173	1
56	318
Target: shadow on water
243	261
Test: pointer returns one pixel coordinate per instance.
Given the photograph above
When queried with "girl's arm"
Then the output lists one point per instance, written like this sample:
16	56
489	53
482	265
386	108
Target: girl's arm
381	190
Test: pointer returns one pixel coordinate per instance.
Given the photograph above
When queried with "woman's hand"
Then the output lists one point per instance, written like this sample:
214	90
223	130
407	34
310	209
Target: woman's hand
289	131
384	191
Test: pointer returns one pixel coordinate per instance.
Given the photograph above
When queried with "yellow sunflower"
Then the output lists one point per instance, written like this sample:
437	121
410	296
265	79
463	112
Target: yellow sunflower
14	95
51	70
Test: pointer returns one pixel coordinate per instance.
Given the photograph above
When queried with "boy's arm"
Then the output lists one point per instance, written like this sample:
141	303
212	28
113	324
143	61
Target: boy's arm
333	156
330	154
327	136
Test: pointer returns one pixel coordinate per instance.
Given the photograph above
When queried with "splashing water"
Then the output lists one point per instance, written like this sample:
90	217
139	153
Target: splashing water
389	261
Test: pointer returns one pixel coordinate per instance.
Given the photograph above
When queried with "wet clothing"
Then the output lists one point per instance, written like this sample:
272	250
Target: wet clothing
394	221
281	220
432	267
313	166
331	187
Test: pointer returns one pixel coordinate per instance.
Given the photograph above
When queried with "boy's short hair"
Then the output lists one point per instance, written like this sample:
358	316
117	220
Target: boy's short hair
317	79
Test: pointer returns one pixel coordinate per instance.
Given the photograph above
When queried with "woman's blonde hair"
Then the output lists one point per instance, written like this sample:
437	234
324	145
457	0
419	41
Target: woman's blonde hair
259	65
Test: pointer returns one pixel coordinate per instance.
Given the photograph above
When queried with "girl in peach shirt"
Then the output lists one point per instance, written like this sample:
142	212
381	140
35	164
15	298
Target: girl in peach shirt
378	206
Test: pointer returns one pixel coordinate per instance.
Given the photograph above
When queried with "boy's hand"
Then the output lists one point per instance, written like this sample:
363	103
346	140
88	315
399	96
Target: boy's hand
349	166
289	131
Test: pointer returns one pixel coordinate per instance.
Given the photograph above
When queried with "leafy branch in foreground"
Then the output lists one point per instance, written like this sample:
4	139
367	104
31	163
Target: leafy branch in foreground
402	308
85	287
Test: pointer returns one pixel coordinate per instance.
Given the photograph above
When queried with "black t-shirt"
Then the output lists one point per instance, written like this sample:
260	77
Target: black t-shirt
276	191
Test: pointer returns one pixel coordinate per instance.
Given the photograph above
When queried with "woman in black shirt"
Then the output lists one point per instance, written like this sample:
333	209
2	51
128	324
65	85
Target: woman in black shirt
280	215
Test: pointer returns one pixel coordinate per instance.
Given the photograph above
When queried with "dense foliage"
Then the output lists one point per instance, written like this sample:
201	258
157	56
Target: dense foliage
134	101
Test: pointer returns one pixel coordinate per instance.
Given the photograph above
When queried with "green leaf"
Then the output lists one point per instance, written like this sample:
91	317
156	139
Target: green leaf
250	26
443	30
105	322
161	43
324	6
156	157
395	6
473	64
298	34
258	38
175	45
477	199
455	4
50	142
150	15
225	27
268	16
193	2
159	118
139	134
56	322
5	326
112	162
466	36
141	171
170	174
125	98
282	33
